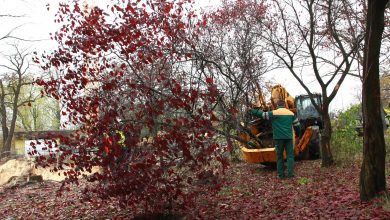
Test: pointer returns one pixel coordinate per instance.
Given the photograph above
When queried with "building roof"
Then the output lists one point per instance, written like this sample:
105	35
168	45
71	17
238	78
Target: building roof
29	135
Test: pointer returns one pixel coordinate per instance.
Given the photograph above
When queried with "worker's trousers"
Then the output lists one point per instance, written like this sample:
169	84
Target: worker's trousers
281	145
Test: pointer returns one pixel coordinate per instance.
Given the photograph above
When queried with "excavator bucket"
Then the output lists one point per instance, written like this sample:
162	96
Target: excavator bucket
268	155
262	155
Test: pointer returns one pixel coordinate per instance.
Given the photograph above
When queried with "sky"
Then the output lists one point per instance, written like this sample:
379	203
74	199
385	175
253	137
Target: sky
349	92
35	24
38	22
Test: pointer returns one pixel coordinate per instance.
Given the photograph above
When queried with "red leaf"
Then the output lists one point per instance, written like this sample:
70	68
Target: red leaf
167	8
182	26
209	80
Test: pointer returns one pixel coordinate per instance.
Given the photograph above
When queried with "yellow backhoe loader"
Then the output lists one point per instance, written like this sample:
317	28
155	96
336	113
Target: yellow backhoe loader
257	144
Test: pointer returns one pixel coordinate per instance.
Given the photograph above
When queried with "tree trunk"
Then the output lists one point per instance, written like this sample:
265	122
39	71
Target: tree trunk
326	153
372	175
8	141
5	151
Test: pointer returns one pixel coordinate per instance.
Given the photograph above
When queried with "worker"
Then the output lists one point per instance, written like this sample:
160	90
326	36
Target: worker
116	152
110	147
283	121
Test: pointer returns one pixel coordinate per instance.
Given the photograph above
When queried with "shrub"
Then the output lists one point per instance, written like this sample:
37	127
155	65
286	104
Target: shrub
346	144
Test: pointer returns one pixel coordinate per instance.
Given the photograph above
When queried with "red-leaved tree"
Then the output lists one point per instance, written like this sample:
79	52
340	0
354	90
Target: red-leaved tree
142	114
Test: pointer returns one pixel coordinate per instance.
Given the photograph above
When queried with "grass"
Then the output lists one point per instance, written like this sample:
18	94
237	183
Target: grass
304	180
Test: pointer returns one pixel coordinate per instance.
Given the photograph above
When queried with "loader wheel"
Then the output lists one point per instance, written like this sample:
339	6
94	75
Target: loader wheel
305	155
314	148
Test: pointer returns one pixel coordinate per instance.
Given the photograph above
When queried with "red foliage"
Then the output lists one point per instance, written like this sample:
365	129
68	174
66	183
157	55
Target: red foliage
120	73
239	10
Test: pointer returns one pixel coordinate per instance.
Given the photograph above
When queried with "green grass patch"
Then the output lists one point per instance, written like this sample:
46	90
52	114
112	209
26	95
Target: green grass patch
304	180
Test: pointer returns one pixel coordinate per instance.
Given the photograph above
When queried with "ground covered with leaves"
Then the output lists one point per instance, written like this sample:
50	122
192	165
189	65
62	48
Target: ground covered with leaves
249	191
255	192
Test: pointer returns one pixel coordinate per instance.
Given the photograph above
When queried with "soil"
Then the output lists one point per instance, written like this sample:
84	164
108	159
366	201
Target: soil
23	168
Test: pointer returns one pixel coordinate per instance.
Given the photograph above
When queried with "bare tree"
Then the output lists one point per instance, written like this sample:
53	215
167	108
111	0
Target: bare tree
317	43
11	84
11	33
20	20
356	13
230	52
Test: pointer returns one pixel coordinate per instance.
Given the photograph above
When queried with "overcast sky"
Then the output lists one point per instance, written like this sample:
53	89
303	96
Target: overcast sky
37	23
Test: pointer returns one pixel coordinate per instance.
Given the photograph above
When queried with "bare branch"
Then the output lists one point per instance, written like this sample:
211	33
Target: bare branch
11	16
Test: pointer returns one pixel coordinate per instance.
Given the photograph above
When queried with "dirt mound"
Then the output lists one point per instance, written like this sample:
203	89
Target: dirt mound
24	168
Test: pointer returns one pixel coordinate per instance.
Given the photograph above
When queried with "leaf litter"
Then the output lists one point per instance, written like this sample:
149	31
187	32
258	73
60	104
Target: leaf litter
249	191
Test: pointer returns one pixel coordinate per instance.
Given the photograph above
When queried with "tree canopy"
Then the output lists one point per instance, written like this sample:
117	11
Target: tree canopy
125	71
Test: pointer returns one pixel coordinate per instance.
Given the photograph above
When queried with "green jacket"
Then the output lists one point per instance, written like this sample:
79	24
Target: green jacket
282	120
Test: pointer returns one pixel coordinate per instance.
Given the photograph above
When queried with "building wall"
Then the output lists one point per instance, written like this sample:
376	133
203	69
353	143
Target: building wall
18	147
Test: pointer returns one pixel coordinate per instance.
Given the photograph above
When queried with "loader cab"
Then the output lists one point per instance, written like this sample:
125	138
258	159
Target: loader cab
309	117
306	112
